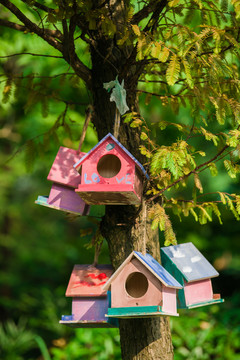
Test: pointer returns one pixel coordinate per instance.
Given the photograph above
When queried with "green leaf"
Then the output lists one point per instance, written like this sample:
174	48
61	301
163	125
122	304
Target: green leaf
143	136
173	70
136	30
164	55
213	169
198	183
188	73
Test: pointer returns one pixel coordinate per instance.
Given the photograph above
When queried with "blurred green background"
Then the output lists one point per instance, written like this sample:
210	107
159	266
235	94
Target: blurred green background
39	246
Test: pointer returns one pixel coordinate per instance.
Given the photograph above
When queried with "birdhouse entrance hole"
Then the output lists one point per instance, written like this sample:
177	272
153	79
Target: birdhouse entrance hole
136	285
109	166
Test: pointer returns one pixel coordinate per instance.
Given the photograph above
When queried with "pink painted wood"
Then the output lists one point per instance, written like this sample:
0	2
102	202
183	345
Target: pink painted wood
110	176
121	298
87	280
64	198
198	291
89	309
169	303
62	170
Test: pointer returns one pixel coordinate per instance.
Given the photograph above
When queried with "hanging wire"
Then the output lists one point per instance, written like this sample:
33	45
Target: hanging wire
116	124
88	117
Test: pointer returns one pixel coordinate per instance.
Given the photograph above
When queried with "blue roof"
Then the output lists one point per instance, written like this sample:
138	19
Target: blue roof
190	262
158	270
121	146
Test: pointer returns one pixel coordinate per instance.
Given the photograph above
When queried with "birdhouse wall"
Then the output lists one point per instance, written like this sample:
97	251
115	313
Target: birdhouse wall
198	291
135	285
169	302
65	198
62	170
89	309
108	164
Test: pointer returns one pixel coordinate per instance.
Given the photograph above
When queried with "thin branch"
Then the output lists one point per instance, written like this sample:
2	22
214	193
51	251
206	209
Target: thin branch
81	70
55	33
144	12
32	54
190	173
31	26
40	6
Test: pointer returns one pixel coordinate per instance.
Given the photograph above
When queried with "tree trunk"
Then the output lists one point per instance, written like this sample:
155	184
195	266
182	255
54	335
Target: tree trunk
127	228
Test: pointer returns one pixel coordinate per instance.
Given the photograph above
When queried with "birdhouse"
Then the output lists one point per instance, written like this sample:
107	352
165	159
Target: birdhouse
110	175
89	302
193	271
65	180
141	287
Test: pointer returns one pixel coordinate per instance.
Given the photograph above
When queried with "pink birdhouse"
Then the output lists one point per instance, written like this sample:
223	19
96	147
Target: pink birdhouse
89	302
110	175
141	287
65	180
194	272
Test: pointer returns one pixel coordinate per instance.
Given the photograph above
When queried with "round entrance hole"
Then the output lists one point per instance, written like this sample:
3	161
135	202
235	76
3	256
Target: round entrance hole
136	285
109	166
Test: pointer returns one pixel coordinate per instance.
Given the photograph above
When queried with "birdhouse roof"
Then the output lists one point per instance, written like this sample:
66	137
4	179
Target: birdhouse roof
62	171
109	135
87	280
190	262
152	265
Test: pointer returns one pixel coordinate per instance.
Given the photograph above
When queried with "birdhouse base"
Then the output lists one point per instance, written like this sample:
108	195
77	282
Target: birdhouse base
137	312
89	324
94	211
203	303
119	195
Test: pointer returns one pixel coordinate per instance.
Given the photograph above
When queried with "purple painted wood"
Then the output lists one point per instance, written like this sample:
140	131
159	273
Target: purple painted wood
64	198
90	309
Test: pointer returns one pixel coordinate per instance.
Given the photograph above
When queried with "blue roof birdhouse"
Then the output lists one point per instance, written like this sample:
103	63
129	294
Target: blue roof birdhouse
141	287
193	271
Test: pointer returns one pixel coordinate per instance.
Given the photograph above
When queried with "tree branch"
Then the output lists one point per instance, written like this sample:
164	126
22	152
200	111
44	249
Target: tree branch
81	70
31	26
40	6
32	54
55	33
188	174
144	12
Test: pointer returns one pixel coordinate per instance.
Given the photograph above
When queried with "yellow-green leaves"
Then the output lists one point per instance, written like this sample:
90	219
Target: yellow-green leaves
161	220
173	3
236	4
176	159
188	74
173	70
136	30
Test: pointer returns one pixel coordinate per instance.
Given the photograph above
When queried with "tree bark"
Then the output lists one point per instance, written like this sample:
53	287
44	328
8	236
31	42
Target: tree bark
127	228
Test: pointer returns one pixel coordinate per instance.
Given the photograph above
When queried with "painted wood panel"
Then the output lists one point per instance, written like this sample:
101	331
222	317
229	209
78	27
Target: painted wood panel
87	280
190	262
89	309
112	141
198	291
62	170
109	195
137	312
64	198
169	302
121	298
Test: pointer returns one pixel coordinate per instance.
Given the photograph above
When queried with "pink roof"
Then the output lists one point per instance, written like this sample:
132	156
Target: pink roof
62	170
87	280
